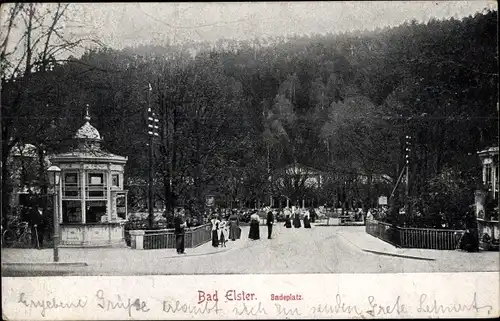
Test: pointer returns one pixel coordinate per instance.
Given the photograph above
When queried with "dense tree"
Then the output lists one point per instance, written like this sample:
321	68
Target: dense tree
236	114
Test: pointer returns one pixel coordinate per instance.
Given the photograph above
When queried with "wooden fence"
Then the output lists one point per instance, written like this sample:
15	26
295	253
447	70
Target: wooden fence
422	238
165	239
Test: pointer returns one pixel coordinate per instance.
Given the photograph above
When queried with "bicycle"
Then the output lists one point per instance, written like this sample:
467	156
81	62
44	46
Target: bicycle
18	234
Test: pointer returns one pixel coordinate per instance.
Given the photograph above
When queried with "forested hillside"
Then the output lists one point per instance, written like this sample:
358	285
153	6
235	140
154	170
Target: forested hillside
235	113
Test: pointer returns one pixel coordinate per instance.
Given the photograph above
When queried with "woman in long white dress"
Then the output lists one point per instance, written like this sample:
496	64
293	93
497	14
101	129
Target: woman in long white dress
223	233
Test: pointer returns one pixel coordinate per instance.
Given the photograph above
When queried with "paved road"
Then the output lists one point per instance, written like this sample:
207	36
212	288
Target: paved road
316	250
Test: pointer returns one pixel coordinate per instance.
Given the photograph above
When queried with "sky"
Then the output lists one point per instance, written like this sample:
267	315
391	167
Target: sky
119	24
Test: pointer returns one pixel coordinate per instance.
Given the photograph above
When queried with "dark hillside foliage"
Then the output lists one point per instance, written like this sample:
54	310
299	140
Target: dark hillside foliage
235	113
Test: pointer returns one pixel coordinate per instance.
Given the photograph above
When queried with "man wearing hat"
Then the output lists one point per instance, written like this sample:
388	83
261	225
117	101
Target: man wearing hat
270	222
179	226
36	220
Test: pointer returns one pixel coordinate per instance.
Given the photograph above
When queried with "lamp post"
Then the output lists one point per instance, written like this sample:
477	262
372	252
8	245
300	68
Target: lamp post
407	157
54	176
153	129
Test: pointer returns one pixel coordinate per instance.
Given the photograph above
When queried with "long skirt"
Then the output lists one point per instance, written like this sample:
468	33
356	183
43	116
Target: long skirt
296	222
288	223
234	232
307	224
215	238
179	243
254	233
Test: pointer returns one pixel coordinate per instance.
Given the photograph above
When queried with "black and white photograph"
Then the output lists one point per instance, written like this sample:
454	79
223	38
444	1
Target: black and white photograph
251	138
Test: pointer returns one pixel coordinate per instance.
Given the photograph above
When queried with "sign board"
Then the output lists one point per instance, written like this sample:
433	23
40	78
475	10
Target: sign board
382	200
96	166
210	201
487	161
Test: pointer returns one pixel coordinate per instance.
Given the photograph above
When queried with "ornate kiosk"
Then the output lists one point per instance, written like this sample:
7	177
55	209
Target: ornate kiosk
92	202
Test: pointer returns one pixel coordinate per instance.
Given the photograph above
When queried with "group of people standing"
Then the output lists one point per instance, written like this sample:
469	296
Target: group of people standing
290	219
294	219
223	230
254	233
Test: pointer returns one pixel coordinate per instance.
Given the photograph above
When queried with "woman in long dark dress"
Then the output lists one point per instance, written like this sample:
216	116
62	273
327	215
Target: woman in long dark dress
296	220
288	222
254	233
215	234
313	214
234	227
307	223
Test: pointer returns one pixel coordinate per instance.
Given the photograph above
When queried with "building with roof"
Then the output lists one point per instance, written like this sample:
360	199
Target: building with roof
92	201
487	199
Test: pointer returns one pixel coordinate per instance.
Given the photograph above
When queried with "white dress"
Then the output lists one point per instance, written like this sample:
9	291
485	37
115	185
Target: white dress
224	230
214	224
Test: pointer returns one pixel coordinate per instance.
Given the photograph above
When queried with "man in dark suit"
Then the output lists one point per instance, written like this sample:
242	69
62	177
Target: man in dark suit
270	222
36	221
179	226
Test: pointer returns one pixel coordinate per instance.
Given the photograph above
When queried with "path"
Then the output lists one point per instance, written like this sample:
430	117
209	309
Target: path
317	250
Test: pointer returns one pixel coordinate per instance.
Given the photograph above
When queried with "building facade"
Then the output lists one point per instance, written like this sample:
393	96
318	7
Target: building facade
487	199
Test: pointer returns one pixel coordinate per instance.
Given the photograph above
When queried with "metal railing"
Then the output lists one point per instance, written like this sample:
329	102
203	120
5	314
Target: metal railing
435	239
422	238
198	235
165	239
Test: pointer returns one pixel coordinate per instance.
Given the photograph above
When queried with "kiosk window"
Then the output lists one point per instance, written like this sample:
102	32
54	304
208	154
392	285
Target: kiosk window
94	211
96	185
115	180
71	211
71	187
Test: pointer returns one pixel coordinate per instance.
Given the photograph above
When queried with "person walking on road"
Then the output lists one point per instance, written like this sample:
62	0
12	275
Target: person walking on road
254	233
288	222
296	220
179	229
313	214
270	222
223	233
36	220
307	223
234	227
215	233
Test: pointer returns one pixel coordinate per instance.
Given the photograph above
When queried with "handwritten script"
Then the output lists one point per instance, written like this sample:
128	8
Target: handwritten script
135	307
52	303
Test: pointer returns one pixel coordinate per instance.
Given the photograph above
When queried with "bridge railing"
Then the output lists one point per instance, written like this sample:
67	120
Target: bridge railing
408	237
165	238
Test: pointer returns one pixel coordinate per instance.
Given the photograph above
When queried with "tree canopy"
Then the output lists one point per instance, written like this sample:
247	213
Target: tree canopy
234	114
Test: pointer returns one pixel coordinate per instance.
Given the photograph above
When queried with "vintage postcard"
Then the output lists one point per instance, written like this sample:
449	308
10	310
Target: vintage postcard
251	160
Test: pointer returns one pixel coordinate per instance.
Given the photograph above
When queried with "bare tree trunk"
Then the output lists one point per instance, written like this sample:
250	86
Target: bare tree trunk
41	175
173	161
29	49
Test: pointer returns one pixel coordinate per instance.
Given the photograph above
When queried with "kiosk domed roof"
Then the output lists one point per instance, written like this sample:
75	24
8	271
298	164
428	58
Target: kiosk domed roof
87	131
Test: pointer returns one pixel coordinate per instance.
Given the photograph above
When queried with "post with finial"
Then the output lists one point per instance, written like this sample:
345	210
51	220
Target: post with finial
87	115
